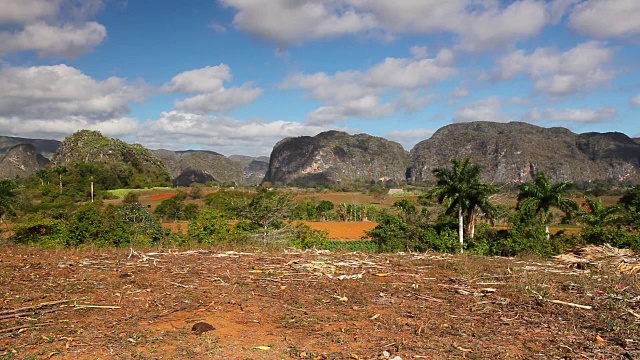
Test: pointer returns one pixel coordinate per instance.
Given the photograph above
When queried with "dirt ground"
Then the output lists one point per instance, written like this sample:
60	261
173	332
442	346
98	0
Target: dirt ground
119	304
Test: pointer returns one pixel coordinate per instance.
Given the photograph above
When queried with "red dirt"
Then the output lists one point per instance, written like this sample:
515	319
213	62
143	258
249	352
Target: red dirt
162	196
123	305
343	230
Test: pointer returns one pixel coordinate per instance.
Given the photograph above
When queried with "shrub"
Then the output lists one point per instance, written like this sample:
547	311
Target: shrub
131	198
209	227
306	238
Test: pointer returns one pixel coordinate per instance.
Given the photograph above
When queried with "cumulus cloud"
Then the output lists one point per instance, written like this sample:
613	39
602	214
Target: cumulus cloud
636	100
354	93
489	109
574	115
222	134
608	18
581	68
408	138
50	28
214	97
49	92
57	100
479	25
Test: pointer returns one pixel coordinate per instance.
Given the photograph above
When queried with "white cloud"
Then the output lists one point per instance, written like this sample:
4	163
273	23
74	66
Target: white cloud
408	138
63	127
288	22
67	40
419	52
636	100
354	93
222	101
222	134
479	25
607	18
61	91
51	27
489	109
26	11
219	28
207	79
560	73
214	97
574	115
460	92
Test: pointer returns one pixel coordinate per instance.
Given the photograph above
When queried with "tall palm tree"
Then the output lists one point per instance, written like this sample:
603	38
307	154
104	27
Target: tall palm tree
596	214
541	195
7	198
60	170
480	201
461	190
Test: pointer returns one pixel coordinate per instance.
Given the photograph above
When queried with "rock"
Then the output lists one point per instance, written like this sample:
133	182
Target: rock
20	161
333	157
202	327
514	152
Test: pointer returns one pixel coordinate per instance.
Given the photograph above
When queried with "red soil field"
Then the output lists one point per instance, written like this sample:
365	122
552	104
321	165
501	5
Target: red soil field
162	196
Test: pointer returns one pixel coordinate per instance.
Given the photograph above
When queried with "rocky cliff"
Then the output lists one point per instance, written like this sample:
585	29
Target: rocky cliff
43	147
514	152
132	164
187	167
335	156
20	161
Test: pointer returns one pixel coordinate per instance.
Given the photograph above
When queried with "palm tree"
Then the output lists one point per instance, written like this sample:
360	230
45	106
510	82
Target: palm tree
541	195
596	214
480	201
60	170
461	190
7	198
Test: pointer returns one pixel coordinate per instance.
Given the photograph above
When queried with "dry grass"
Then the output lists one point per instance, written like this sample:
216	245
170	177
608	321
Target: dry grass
311	306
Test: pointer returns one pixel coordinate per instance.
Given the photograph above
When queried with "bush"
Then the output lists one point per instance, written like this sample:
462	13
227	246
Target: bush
306	238
131	198
209	227
37	230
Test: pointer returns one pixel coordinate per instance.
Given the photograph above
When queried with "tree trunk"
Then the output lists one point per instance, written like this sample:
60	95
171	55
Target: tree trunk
60	176
461	230
546	230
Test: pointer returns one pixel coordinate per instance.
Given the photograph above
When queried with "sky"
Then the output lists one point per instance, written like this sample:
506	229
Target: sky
237	76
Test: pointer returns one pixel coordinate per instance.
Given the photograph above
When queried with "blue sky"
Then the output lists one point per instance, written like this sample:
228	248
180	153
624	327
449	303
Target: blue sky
236	76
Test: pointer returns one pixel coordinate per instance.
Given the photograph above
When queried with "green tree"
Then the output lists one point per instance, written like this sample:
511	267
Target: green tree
479	201
43	175
541	195
324	208
460	190
268	209
7	198
596	214
630	202
60	170
209	227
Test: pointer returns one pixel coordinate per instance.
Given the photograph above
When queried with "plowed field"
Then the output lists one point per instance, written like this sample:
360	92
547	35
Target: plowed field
310	305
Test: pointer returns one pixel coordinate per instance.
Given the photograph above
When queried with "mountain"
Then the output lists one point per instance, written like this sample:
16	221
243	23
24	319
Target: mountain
113	162
253	168
45	148
334	156
187	167
21	160
514	152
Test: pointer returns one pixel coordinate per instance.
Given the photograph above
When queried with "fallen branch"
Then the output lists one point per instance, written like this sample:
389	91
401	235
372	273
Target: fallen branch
571	304
633	313
35	307
82	306
17	328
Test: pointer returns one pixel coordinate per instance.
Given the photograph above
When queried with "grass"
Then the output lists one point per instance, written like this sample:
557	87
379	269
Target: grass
120	193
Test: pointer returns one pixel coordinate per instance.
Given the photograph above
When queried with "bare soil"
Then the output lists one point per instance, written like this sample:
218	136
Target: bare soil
119	304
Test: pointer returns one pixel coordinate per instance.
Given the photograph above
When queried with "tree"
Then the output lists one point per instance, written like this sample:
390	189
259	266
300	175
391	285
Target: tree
479	200
7	198
324	208
541	195
43	175
596	214
60	170
268	208
460	190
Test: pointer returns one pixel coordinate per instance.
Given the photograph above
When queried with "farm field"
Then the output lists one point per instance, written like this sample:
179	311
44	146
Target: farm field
122	304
